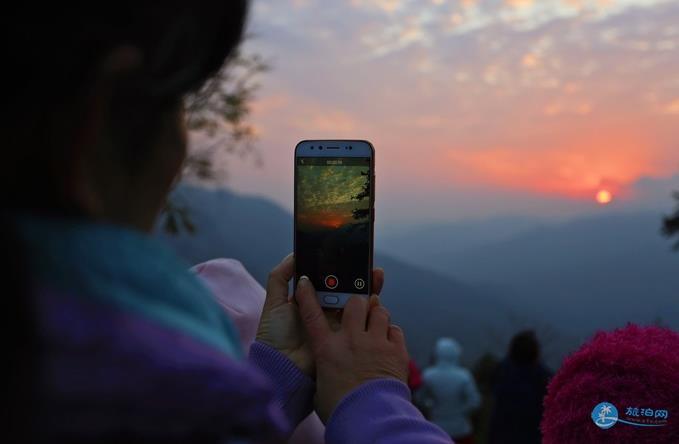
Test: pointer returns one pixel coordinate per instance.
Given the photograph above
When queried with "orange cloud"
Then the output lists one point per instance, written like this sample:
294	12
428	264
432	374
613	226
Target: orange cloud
388	6
529	60
577	169
270	103
672	107
519	3
326	122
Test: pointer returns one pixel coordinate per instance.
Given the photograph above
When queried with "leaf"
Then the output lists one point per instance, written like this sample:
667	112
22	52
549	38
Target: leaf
171	224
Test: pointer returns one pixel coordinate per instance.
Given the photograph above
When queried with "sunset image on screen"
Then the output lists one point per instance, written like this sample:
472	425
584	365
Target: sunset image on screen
329	197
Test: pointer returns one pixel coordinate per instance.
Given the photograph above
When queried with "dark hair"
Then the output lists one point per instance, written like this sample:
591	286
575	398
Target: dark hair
21	347
524	348
54	47
52	52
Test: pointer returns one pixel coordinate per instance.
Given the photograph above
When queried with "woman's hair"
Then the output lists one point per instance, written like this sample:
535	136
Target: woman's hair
54	48
21	346
524	348
53	53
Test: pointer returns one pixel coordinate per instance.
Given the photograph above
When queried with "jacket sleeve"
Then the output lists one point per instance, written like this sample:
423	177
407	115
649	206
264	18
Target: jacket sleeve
294	391
380	411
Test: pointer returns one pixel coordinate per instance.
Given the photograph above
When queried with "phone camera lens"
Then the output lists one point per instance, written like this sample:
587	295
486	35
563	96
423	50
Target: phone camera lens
320	147
351	147
312	147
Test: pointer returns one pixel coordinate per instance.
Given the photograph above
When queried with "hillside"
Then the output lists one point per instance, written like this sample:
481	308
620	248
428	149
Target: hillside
592	272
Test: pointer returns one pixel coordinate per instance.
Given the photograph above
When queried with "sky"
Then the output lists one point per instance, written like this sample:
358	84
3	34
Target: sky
476	108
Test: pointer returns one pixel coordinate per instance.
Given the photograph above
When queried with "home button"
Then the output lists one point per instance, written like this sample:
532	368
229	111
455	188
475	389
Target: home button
332	300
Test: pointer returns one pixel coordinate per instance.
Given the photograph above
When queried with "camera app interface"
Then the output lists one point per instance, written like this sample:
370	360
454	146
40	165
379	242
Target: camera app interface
333	222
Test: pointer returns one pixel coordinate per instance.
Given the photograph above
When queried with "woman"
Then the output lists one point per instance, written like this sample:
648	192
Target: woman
519	386
133	348
450	392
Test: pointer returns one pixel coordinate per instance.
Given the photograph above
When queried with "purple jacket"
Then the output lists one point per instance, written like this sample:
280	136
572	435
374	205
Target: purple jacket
110	373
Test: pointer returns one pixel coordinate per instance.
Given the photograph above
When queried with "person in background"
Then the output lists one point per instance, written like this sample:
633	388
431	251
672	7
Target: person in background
132	347
414	376
519	385
634	370
449	393
483	372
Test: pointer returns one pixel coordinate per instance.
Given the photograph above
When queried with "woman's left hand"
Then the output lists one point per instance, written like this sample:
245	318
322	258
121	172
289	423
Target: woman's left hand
280	326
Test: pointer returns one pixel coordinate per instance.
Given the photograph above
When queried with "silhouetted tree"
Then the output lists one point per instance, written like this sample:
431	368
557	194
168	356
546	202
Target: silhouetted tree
218	115
671	222
362	213
176	218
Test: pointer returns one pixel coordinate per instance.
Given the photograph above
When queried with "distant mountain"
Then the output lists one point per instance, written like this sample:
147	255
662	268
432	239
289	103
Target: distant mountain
431	244
426	304
592	272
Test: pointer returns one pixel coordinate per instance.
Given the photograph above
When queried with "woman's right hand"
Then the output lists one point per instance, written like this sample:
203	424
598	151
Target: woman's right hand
366	346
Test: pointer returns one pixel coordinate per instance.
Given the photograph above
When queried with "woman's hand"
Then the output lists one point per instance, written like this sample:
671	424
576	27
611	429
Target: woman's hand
280	325
366	346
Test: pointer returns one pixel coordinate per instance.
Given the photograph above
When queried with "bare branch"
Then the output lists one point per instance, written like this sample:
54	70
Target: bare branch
219	113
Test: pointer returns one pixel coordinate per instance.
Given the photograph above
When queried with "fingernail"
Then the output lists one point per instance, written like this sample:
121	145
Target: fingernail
303	279
301	282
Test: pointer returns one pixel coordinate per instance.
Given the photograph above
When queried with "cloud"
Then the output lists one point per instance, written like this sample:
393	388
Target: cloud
672	107
326	122
273	103
461	17
387	6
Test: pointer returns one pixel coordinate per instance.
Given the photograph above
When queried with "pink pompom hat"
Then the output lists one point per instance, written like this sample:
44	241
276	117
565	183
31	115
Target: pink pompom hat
620	387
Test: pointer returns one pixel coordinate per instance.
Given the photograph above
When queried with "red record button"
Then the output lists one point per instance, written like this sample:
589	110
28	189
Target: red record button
331	282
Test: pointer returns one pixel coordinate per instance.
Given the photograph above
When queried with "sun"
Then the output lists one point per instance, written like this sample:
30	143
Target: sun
604	197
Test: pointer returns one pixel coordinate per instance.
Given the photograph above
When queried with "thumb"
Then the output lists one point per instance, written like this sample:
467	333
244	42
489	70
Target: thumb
310	311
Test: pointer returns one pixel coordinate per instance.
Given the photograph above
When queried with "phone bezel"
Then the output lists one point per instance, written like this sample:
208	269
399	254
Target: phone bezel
360	148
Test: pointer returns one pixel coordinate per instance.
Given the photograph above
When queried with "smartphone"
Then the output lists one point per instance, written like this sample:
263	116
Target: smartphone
334	217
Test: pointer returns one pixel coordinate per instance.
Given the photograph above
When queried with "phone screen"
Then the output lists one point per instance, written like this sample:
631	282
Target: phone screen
334	222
